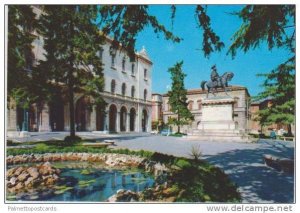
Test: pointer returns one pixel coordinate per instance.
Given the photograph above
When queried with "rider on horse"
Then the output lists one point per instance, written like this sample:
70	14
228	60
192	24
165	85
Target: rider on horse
214	76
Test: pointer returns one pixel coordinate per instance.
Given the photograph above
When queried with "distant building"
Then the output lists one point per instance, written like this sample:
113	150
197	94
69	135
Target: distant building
157	112
254	125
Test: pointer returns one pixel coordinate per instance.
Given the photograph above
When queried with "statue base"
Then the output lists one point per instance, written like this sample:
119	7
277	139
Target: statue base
217	122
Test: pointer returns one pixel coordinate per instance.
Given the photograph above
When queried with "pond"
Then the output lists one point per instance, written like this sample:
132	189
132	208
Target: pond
82	181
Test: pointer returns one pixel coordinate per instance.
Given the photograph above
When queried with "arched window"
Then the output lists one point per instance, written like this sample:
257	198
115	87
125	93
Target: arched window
145	94
113	86
123	89
190	105
132	91
199	102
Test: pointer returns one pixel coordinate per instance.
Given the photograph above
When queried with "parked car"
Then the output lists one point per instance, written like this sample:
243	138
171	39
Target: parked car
165	132
154	132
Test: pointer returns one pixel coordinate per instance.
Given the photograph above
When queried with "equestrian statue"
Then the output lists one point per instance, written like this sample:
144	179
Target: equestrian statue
216	81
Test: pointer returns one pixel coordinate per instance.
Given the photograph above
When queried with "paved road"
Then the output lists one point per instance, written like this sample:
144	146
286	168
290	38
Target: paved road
241	161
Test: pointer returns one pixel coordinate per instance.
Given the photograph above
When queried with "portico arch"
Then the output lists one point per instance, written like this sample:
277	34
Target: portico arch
123	118
82	113
144	120
132	119
112	118
100	118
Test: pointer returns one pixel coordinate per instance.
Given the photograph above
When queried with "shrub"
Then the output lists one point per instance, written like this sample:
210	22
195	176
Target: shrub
68	139
196	152
181	163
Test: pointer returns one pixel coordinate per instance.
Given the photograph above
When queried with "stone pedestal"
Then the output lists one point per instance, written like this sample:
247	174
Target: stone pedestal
44	125
217	122
217	114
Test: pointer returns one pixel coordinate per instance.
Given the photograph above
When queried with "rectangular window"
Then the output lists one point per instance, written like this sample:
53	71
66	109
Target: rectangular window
113	57
132	69
145	74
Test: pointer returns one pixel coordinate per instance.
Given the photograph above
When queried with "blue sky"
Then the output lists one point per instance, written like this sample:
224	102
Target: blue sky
165	54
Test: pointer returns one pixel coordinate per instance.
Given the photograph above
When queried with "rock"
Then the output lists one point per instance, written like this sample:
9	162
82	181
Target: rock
29	182
18	171
124	196
43	174
13	181
46	169
19	186
23	176
11	172
55	177
50	180
33	172
170	199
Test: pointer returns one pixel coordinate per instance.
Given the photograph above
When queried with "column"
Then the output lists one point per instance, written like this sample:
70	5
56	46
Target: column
106	121
137	122
93	119
149	122
149	117
12	119
127	122
44	125
118	122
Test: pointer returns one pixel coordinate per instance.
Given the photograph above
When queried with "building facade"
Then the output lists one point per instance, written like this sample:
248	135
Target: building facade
195	98
127	93
257	128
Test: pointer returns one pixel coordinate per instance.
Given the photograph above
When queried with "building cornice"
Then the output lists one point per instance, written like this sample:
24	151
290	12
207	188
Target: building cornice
200	91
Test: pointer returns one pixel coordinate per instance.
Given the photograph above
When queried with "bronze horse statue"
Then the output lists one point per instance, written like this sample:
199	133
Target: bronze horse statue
222	82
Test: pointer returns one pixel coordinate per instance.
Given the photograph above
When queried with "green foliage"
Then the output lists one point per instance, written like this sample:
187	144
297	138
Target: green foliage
280	88
69	140
274	25
177	96
41	148
177	134
124	22
20	60
201	183
265	23
71	52
211	42
182	163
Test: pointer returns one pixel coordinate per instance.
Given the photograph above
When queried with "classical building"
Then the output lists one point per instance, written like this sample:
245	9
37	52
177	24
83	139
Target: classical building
127	93
196	97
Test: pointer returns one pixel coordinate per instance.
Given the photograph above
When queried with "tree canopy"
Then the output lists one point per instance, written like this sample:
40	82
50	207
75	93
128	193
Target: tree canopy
177	96
274	25
21	22
72	41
